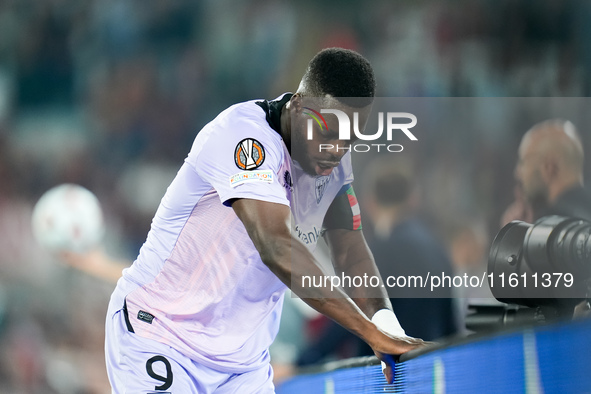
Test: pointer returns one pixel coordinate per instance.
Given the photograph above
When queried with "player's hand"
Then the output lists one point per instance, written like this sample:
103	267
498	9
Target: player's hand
389	347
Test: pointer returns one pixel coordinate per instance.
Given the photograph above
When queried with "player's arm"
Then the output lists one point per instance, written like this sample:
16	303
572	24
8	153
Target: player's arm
268	225
351	255
349	251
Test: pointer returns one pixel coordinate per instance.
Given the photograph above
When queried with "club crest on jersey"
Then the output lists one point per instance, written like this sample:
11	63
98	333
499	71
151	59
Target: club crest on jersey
321	183
287	182
249	154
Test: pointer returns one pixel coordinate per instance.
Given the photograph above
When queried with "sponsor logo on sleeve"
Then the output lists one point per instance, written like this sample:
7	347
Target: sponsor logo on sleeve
249	154
251	176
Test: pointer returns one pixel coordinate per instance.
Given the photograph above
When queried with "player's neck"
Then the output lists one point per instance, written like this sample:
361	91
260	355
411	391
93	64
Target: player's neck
285	123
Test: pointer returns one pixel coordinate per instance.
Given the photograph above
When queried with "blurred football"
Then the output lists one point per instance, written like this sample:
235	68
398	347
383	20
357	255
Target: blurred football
68	217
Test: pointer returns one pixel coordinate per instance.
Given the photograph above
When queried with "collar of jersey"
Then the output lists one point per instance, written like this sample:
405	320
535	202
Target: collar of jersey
273	109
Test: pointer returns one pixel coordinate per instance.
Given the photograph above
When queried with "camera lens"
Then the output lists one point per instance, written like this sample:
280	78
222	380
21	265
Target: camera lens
535	264
560	244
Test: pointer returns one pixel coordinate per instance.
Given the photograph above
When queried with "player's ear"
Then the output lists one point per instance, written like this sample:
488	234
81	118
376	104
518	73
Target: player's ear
296	103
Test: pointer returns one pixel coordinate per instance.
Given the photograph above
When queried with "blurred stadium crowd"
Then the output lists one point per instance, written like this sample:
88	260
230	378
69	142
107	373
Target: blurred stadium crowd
110	93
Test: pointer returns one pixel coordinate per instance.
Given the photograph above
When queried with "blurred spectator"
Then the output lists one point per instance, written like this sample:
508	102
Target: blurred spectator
550	171
403	245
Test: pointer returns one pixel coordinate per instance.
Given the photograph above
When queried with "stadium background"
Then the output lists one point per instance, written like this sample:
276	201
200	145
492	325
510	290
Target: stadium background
110	93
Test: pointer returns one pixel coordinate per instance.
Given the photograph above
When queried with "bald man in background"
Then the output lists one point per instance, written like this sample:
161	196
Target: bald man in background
550	174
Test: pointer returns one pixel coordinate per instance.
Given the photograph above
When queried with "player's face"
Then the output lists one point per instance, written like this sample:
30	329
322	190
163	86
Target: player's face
529	176
321	154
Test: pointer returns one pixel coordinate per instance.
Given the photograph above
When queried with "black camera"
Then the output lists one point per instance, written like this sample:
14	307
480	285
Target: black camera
545	266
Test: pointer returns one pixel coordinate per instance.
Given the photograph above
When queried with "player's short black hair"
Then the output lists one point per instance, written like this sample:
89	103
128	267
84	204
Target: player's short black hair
343	74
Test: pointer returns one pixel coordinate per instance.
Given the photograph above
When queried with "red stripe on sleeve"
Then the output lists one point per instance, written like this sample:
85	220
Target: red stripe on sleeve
352	200
356	222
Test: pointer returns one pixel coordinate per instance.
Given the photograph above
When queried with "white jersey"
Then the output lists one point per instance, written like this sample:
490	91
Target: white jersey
198	284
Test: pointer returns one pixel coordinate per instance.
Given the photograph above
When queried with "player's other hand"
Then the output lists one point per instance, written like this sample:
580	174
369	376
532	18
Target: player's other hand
95	263
387	349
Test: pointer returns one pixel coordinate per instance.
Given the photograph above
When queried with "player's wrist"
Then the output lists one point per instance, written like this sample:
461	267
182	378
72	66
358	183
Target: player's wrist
386	321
